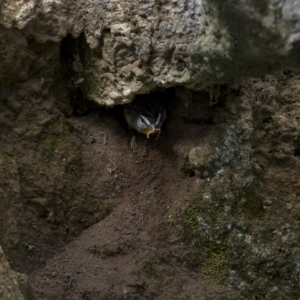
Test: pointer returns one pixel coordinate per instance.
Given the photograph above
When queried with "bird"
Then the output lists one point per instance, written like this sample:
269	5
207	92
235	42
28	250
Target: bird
145	114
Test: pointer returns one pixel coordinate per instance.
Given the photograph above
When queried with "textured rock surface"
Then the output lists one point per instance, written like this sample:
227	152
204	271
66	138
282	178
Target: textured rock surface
240	146
135	46
9	287
245	215
41	160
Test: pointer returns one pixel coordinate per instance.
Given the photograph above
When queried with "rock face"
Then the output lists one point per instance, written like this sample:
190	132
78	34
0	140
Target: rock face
242	154
245	215
133	47
9	286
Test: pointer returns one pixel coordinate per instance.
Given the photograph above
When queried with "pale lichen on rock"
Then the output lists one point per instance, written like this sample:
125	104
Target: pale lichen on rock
161	44
242	214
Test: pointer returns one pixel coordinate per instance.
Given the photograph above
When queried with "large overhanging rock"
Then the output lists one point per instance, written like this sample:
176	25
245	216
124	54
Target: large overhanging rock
137	46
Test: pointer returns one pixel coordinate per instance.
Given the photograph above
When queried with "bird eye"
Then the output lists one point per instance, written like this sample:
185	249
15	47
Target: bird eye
143	120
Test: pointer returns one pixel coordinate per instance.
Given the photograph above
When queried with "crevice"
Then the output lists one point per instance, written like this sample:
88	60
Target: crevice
297	147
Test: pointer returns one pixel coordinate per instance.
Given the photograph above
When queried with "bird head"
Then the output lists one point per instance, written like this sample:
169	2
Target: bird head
150	125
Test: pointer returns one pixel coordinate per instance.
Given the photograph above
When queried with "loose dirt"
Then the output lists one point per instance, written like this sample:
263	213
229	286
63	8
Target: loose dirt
134	252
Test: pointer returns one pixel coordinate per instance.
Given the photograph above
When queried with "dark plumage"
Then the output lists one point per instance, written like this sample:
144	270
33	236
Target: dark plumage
145	114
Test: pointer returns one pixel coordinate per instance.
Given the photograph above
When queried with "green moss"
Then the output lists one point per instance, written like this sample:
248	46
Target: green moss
193	224
207	222
241	238
216	264
149	269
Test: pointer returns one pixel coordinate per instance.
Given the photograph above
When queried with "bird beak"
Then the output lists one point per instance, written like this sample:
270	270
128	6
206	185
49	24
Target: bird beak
152	131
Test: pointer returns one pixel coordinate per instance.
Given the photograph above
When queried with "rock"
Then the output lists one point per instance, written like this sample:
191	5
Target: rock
115	95
201	158
126	92
246	148
205	42
9	286
244	215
